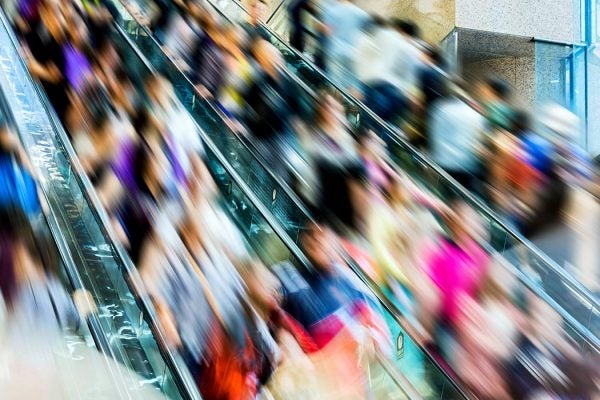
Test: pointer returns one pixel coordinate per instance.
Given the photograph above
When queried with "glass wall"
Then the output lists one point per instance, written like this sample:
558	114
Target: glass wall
560	77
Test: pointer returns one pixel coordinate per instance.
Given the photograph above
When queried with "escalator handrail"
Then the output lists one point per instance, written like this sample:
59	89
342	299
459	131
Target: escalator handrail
134	282
397	135
288	242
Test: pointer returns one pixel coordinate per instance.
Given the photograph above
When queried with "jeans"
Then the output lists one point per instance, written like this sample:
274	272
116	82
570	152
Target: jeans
385	100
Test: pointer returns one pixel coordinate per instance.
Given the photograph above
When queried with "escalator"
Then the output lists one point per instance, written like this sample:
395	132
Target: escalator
257	224
579	311
272	227
536	269
124	325
284	213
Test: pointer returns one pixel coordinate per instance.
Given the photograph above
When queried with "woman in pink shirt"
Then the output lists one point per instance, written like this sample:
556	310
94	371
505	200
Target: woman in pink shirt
457	267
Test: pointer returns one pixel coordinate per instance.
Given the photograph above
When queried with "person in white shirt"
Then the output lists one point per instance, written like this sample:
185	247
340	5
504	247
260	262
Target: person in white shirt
343	23
456	133
383	78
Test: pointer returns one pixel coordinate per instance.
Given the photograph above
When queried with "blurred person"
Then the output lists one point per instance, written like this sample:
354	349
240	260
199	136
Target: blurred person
125	97
208	57
336	314
531	178
400	231
383	77
46	59
34	301
163	17
457	266
25	14
343	22
147	187
413	58
17	181
270	106
432	80
495	96
332	154
34	297
99	18
180	137
580	208
547	361
433	85
486	337
238	72
456	133
78	67
257	15
97	147
220	343
296	10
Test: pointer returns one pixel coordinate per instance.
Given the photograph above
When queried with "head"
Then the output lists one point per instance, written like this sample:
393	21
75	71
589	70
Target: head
159	89
53	19
329	110
495	89
258	10
521	122
318	244
407	28
267	56
263	287
151	167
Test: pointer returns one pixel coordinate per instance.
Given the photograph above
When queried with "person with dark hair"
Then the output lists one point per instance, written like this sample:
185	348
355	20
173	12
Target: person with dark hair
327	303
296	11
270	106
382	79
47	61
330	151
495	95
407	27
432	82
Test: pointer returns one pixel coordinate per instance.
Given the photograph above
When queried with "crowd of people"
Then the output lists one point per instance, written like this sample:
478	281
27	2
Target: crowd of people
245	328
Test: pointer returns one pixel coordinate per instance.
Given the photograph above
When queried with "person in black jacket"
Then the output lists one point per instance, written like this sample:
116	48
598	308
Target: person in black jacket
270	105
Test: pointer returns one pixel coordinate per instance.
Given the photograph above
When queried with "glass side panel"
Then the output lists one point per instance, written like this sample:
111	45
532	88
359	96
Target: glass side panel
128	334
